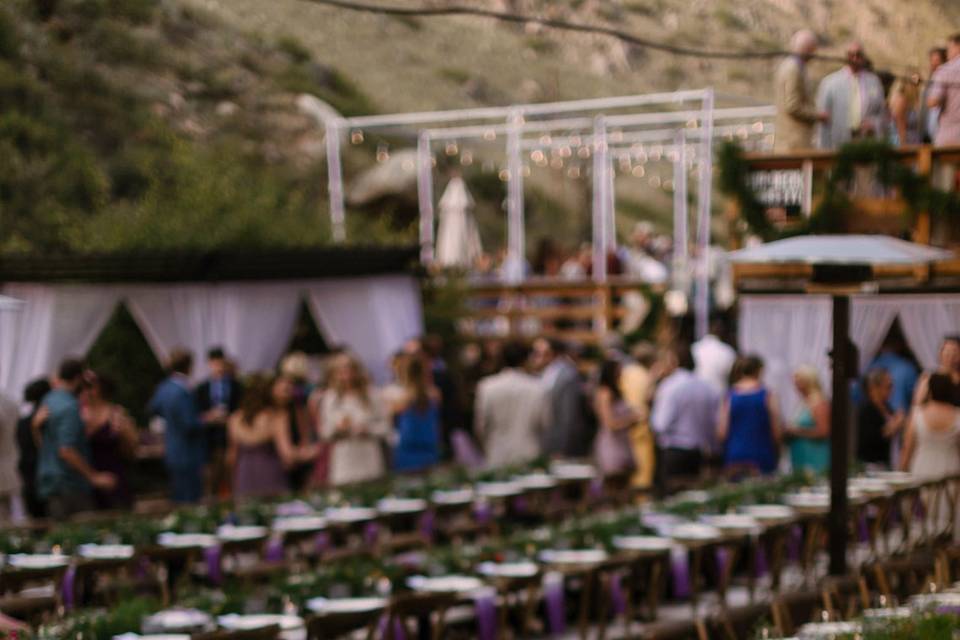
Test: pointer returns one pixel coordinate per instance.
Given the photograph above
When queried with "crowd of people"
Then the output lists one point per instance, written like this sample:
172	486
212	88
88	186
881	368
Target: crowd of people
657	416
646	256
855	102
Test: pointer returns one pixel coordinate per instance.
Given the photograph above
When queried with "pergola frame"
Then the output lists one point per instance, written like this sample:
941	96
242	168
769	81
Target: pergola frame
601	133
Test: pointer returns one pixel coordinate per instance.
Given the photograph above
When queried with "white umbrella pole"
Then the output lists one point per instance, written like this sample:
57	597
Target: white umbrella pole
600	165
515	224
425	197
702	302
681	234
335	181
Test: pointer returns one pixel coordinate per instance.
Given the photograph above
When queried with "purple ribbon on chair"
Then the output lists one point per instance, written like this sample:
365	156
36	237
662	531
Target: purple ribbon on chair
617	598
863	531
213	556
398	633
553	597
321	542
274	552
485	609
794	543
722	556
596	488
426	524
465	452
68	587
680	570
761	568
483	511
371	532
520	504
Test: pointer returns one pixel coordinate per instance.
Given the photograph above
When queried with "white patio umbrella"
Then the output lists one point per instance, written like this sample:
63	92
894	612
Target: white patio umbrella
458	239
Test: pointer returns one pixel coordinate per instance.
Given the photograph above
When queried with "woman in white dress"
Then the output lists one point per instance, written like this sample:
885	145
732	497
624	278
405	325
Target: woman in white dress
353	420
931	448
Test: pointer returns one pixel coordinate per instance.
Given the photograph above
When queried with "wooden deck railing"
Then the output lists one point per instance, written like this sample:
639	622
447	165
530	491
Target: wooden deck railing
575	311
882	215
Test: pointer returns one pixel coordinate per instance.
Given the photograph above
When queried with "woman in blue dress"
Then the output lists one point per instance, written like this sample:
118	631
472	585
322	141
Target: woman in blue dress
810	433
416	417
749	426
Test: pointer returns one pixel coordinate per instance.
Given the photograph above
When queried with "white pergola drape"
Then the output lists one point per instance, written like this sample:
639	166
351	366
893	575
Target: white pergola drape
374	318
790	330
252	321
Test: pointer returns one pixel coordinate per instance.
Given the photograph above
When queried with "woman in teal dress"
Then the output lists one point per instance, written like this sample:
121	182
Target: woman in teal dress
810	432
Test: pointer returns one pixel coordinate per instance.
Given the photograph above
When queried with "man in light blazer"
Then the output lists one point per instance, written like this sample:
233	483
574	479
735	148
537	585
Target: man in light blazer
512	412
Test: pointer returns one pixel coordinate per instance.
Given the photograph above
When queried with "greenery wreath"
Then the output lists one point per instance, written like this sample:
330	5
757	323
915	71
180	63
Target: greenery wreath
916	190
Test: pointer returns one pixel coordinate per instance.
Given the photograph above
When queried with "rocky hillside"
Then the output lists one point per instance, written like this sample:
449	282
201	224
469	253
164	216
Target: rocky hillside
152	123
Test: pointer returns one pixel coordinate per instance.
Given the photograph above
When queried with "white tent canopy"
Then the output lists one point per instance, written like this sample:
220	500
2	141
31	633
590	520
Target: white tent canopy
840	249
253	320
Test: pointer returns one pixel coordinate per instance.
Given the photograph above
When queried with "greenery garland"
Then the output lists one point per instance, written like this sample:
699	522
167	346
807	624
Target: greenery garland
916	190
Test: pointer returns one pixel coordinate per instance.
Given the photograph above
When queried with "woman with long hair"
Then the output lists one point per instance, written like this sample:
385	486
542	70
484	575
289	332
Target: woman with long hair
416	417
261	451
113	439
354	422
810	432
615	419
749	426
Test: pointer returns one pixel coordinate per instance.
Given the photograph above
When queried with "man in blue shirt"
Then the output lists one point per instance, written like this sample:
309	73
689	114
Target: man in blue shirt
184	435
64	473
903	372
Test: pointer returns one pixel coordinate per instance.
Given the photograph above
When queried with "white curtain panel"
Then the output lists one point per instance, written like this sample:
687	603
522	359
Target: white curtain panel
55	321
925	321
253	322
870	322
373	316
787	331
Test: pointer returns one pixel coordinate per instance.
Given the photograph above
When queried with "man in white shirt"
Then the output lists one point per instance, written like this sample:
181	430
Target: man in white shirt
854	100
714	358
512	412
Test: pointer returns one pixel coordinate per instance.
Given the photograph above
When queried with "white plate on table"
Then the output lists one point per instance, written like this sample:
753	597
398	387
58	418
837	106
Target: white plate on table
237	622
536	481
694	496
572	556
896	479
499	489
930	600
326	606
177	620
508	569
809	501
732	522
299	524
234	533
895	613
396	506
153	636
695	532
642	543
871	486
350	515
770	513
452	497
37	560
573	471
105	551
816	630
445	584
173	540
293	508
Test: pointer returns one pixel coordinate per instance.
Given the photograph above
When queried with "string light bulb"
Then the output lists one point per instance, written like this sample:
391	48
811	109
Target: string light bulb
573	172
383	154
583	152
489	135
356	136
638	171
452	149
466	158
504	175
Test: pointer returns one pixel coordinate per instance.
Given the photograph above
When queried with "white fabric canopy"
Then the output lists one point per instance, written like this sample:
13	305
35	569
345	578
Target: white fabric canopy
373	316
790	330
252	321
54	322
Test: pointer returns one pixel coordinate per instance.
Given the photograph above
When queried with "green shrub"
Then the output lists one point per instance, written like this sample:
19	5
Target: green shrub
297	51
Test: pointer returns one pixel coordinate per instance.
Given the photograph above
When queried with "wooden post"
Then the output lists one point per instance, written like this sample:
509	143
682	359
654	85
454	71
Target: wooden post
921	233
837	520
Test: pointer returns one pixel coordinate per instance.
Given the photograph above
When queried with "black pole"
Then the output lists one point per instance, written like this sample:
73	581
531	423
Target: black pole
839	436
